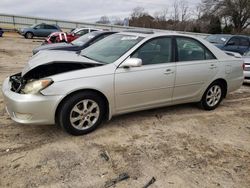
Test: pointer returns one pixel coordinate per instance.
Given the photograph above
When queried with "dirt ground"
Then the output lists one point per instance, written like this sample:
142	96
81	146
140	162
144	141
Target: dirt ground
181	146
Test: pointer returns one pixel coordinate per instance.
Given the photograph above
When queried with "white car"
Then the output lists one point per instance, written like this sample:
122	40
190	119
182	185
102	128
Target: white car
246	58
125	72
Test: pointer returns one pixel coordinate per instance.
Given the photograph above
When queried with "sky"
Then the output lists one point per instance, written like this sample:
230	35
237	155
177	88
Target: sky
84	10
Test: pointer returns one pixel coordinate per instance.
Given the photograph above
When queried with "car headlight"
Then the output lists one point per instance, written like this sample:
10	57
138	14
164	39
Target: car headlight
34	87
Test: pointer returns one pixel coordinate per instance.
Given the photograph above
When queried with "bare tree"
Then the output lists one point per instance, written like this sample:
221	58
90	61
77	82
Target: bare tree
138	12
176	13
161	15
237	11
104	20
184	10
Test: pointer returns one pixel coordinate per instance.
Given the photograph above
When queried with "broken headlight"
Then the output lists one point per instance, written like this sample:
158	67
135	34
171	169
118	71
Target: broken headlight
35	86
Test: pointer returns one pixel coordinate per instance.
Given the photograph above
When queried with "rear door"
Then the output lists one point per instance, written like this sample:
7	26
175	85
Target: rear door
49	29
151	84
244	44
233	45
195	68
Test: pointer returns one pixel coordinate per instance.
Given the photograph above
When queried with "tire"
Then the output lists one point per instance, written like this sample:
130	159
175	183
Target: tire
29	35
212	96
81	113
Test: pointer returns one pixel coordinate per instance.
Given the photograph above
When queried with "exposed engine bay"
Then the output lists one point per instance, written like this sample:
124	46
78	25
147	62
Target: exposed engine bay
18	81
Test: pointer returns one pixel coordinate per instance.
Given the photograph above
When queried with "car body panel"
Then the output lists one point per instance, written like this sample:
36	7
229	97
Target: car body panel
40	32
247	69
97	35
241	43
133	89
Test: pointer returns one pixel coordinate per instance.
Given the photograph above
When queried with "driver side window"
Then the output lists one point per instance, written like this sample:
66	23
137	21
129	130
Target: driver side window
155	51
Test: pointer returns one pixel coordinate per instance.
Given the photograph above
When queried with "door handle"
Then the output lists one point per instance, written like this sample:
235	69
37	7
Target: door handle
213	66
169	71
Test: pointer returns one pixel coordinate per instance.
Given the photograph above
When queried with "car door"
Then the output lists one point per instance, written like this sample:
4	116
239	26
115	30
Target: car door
195	68
149	85
233	45
48	29
39	30
244	45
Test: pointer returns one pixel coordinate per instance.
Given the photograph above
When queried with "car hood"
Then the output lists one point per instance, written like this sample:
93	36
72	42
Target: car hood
55	57
52	47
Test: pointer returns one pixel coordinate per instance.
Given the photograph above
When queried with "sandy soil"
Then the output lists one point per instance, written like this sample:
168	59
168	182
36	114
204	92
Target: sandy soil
181	146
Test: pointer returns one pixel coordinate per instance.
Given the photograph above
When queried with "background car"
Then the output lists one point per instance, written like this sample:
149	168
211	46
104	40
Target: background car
39	30
125	72
246	58
1	32
58	37
234	43
78	44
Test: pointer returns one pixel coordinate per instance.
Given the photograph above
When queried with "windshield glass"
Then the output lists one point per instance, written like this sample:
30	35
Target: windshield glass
83	39
111	48
218	39
34	25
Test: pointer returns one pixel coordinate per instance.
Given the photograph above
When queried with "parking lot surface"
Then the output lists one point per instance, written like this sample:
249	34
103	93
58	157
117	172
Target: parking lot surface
181	146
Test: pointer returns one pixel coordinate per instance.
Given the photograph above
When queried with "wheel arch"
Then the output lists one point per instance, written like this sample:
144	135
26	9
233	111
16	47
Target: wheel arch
224	84
107	105
29	32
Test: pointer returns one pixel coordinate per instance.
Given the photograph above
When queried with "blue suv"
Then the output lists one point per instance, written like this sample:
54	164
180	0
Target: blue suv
39	30
233	43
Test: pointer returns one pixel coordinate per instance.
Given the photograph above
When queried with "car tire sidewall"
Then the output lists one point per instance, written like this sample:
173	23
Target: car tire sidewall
203	102
64	113
29	35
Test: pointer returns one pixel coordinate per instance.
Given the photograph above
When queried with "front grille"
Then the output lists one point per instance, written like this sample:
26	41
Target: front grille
17	82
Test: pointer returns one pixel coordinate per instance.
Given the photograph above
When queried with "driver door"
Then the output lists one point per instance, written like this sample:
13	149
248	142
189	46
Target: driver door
150	85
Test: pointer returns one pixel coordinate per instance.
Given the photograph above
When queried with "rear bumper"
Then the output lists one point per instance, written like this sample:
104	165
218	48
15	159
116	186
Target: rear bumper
247	76
28	108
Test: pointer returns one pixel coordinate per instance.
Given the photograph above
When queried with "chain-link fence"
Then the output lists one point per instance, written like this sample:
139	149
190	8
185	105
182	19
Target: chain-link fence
14	22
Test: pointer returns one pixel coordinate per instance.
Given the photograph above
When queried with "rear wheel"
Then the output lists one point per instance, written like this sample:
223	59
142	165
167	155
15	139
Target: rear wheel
28	35
212	96
82	113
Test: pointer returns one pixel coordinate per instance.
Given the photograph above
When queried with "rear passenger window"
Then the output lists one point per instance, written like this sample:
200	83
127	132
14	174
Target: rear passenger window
155	51
49	27
191	50
244	42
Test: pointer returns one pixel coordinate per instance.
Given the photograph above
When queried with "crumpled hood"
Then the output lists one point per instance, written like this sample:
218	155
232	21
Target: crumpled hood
52	46
47	57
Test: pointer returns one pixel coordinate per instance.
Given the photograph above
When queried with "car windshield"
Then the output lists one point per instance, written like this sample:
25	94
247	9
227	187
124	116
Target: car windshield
34	25
111	48
84	39
218	39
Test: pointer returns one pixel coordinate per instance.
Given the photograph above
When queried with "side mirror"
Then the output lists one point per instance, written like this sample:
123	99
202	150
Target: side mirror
131	62
231	43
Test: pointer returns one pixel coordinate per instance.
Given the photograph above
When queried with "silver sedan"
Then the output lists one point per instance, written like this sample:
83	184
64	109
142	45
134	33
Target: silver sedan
246	58
122	73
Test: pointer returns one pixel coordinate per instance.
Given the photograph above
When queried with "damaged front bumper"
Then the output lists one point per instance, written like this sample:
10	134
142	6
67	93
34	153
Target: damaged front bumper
29	108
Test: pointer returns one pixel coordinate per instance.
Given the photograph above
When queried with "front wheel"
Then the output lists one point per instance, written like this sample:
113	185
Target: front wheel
28	35
82	113
212	96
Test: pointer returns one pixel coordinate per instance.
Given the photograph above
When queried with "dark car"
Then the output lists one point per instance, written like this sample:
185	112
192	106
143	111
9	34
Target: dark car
39	30
1	32
78	44
233	43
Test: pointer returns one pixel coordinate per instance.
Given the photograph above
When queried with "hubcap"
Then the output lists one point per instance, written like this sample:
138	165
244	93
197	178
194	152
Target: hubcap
84	114
213	95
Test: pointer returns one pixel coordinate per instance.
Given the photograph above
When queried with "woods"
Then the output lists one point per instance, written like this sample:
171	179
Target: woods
210	16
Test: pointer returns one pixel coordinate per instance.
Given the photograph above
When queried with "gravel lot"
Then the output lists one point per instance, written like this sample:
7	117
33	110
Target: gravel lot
181	146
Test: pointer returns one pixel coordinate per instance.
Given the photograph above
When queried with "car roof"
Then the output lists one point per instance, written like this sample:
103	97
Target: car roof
157	34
